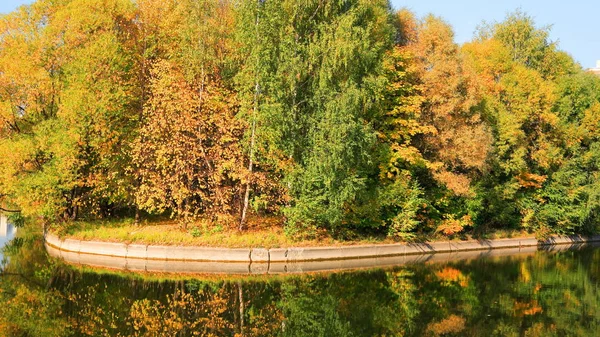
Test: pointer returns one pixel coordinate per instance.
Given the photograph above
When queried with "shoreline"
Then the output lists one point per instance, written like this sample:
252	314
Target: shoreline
179	259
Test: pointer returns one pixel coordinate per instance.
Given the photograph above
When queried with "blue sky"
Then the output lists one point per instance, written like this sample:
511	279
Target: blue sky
10	5
575	23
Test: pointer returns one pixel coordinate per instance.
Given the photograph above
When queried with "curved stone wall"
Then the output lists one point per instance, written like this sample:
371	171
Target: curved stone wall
152	258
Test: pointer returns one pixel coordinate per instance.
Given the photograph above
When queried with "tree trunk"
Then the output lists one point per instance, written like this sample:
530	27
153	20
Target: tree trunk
241	302
251	165
253	134
137	215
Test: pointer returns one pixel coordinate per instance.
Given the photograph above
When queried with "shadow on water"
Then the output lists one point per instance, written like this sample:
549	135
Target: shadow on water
544	293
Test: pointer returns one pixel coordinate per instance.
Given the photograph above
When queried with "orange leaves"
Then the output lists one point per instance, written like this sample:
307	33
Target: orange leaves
460	184
453	324
188	151
527	308
455	136
450	274
452	226
530	180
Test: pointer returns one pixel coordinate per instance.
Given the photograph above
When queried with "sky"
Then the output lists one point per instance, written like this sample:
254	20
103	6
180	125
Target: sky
575	23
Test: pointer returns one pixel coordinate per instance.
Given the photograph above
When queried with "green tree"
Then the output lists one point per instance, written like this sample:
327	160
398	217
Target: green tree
316	66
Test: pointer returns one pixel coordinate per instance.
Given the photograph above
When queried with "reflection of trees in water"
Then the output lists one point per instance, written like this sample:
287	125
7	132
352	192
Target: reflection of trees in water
543	295
30	307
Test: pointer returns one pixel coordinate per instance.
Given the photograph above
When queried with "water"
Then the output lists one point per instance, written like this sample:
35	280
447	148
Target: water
537	294
7	232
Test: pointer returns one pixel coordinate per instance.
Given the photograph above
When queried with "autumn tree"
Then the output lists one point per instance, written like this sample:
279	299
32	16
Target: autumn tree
530	140
435	140
336	116
34	177
187	151
458	146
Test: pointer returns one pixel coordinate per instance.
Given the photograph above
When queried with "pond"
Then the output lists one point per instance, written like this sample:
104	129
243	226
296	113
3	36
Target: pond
545	293
7	232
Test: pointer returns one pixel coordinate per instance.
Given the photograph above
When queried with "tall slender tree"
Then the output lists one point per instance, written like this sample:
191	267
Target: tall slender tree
317	70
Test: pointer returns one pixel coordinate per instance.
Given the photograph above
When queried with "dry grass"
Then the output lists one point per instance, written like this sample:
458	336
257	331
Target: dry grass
263	232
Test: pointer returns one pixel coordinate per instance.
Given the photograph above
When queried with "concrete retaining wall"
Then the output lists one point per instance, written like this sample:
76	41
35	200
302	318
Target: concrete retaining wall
151	252
138	257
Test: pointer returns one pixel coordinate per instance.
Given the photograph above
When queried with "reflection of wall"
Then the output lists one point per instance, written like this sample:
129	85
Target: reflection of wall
3	225
7	230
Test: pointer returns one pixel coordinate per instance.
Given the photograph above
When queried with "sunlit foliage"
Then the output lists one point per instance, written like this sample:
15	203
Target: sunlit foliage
340	116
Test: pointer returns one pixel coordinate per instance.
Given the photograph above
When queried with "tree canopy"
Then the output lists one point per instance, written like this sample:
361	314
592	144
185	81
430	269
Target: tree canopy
339	116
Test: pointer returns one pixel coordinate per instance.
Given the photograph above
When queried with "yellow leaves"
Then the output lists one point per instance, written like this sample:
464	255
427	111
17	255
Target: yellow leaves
452	226
527	308
449	274
490	60
591	120
189	150
528	96
410	154
530	180
453	324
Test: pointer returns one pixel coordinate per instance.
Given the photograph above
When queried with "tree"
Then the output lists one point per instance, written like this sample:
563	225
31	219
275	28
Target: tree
519	91
529	45
33	178
458	147
317	75
97	101
187	150
398	128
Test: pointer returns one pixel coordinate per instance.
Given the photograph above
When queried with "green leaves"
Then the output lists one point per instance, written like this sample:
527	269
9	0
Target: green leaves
339	116
315	65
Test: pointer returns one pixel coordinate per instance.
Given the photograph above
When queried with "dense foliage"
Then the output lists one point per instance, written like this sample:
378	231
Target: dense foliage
342	116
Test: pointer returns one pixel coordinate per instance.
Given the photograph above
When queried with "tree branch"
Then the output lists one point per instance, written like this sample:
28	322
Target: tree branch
2	209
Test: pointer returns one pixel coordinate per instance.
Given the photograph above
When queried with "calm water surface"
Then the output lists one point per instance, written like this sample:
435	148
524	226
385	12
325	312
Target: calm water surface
544	294
7	232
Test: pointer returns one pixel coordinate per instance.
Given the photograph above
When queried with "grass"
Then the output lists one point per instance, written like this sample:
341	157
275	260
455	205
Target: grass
263	232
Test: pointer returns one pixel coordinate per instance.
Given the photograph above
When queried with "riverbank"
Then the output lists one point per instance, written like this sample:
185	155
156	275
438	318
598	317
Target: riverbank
293	254
164	246
178	259
261	232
